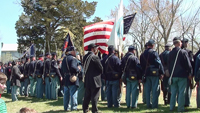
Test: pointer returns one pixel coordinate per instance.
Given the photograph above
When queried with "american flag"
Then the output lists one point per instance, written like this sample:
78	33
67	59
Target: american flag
99	33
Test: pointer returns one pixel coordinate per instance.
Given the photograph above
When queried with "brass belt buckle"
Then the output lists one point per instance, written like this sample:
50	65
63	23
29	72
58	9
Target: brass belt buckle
132	77
47	74
38	76
154	72
52	76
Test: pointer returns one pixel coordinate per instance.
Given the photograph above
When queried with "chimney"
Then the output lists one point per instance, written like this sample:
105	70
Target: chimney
1	44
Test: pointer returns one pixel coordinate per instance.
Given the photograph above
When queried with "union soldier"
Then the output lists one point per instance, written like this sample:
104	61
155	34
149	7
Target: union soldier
47	65
54	76
165	85
15	80
197	78
103	82
112	72
190	56
69	68
143	89
133	73
8	74
21	68
153	70
180	69
26	76
92	70
81	89
38	73
32	75
61	89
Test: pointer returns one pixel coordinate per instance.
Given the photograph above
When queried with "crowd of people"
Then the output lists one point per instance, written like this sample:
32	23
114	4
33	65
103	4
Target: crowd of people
82	81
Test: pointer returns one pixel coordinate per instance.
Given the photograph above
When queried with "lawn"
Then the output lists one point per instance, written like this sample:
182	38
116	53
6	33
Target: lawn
56	106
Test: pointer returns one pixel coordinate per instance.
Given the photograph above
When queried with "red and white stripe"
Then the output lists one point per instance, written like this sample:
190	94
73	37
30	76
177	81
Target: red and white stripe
98	33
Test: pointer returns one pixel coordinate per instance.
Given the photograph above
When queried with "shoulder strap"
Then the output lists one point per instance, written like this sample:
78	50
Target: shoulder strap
109	63
86	63
35	67
127	62
68	66
174	63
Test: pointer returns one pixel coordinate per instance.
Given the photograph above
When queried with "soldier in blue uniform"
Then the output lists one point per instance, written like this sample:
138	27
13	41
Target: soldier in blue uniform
133	73
180	69
61	88
70	67
32	76
21	68
55	76
165	85
143	89
26	77
39	79
8	74
153	70
47	65
197	78
81	89
103	82
112	72
190	56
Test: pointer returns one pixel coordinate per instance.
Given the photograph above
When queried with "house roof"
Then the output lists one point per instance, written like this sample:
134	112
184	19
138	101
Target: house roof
9	47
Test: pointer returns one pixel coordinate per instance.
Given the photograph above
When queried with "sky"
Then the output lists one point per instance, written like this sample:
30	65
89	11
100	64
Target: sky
10	12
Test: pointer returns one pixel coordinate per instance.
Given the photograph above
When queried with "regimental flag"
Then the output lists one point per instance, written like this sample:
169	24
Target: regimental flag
99	33
29	51
67	43
118	29
128	20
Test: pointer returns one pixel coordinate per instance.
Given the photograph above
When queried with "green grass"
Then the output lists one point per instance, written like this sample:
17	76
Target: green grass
56	106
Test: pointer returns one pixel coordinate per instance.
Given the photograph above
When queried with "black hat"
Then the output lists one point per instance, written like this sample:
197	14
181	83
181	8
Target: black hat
9	62
32	56
70	48
41	55
146	44
111	48
14	62
168	45
150	42
92	45
185	40
54	54
131	48
176	39
48	53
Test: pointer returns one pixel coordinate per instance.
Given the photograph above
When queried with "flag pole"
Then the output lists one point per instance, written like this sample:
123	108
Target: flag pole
83	42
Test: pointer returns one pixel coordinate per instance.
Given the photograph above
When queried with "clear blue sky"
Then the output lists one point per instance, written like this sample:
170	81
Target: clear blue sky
10	12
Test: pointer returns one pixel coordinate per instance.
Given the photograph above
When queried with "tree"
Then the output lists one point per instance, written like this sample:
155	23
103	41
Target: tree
45	21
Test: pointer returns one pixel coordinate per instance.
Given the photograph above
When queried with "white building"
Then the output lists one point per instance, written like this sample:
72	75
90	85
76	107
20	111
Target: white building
9	52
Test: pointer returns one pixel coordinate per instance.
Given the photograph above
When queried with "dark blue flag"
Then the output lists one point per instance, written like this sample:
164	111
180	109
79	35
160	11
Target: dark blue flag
67	43
32	50
128	20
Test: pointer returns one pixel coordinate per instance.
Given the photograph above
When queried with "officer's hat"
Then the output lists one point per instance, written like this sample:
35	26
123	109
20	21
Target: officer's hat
92	45
131	48
70	48
177	39
41	55
27	57
151	42
48	53
184	40
168	45
54	54
32	56
111	48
